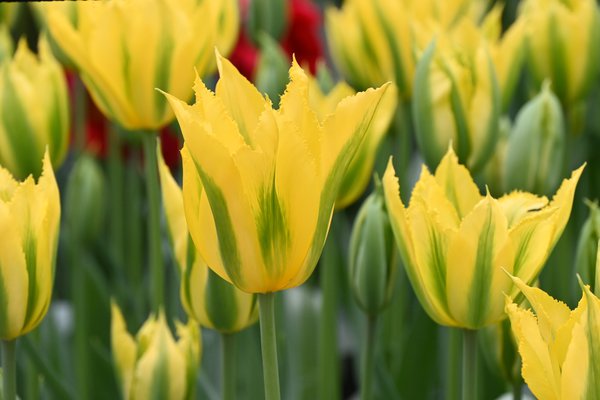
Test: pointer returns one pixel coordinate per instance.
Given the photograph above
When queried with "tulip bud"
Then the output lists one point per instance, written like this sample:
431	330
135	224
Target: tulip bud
85	199
34	110
29	223
457	99
372	255
267	16
272	70
587	246
535	150
154	365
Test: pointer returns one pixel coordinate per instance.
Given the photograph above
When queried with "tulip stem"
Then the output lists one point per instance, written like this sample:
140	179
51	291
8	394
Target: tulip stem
154	237
517	387
469	369
228	375
268	341
368	359
9	369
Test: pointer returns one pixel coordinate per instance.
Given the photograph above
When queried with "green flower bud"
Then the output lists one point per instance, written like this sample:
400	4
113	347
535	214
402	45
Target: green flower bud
536	145
85	199
267	16
272	71
587	247
372	256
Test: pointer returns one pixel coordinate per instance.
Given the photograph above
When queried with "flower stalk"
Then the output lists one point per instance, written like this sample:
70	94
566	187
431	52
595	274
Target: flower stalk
268	341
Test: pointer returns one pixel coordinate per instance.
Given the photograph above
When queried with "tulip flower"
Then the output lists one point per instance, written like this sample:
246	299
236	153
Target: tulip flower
271	177
587	247
454	242
457	98
29	221
34	110
359	172
205	296
561	44
125	49
154	365
370	42
29	224
559	347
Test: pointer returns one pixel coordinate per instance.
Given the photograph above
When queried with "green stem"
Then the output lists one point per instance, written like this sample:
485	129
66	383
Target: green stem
329	384
453	363
266	304
9	369
368	359
79	298
115	176
228	374
154	237
469	370
517	387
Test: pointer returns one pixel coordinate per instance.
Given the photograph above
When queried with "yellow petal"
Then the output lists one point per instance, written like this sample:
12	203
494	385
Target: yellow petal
540	372
563	200
577	378
406	243
232	87
457	184
517	205
123	348
475	256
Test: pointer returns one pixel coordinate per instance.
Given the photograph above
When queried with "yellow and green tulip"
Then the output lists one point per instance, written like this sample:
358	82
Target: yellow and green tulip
270	177
153	364
206	297
457	98
454	242
29	224
125	49
562	37
34	110
559	346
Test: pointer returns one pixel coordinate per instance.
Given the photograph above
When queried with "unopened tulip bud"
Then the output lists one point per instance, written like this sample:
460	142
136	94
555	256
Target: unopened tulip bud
85	199
535	150
267	17
372	255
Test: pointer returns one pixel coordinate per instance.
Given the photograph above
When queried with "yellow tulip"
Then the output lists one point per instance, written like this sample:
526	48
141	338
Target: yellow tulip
271	177
371	43
454	242
359	172
457	98
34	110
206	297
29	223
562	37
559	347
124	49
154	365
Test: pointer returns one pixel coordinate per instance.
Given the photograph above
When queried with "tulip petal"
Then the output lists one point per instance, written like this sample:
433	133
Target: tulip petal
457	183
563	200
123	348
592	332
577	380
405	242
232	87
476	254
517	205
14	281
540	372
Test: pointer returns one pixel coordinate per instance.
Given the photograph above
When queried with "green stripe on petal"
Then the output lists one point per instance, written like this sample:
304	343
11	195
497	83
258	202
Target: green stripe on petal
272	228
225	231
